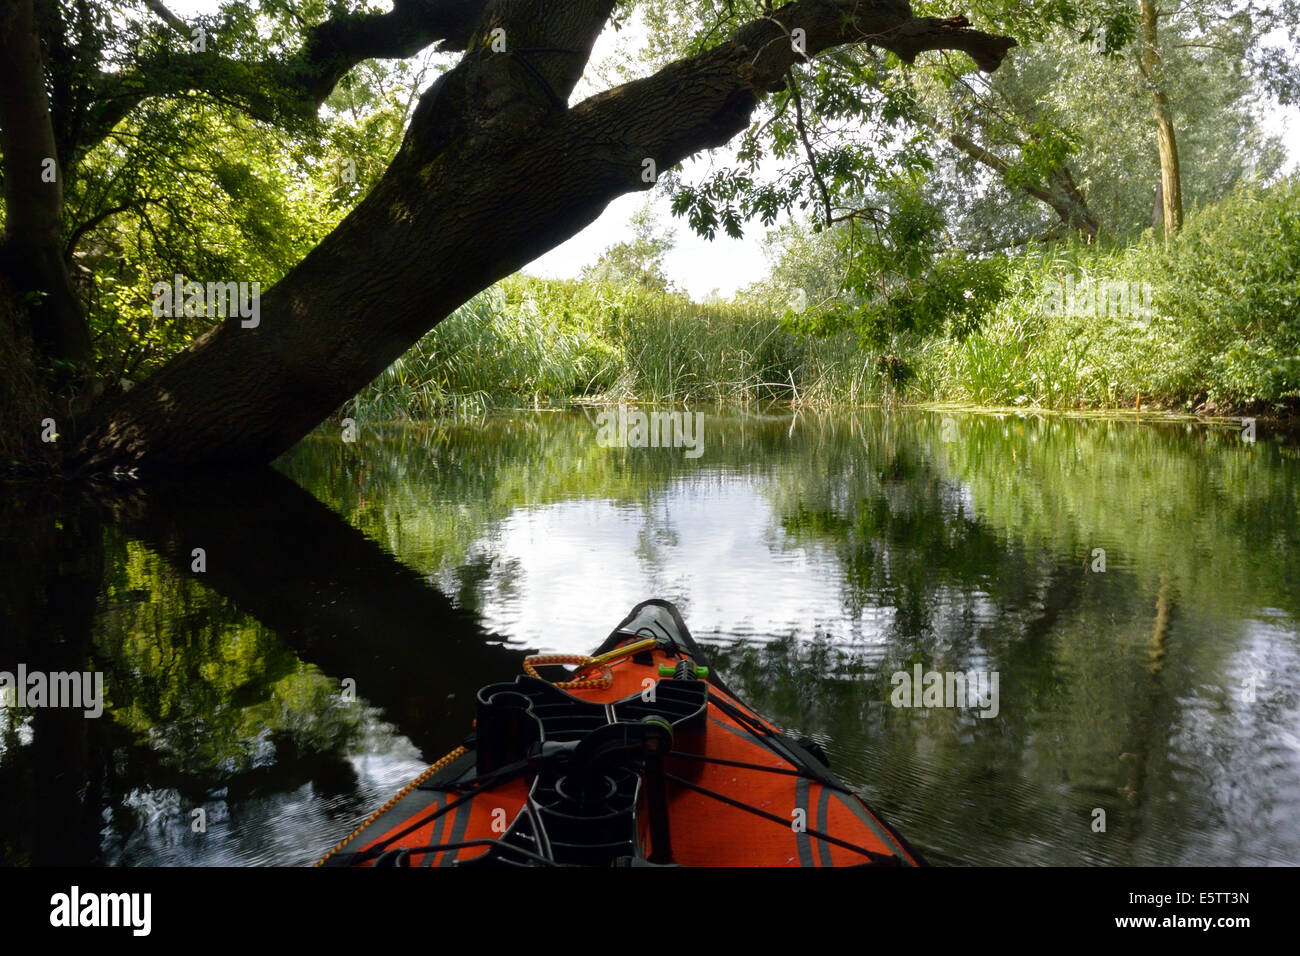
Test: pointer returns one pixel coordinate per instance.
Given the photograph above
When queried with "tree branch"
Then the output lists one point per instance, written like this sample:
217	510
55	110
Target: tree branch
702	101
335	46
171	19
802	127
71	245
294	87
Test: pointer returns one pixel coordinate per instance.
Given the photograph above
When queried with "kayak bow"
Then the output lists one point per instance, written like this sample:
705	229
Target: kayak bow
641	757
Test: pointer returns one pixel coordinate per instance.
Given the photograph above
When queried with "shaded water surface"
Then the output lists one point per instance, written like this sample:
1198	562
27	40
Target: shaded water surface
283	650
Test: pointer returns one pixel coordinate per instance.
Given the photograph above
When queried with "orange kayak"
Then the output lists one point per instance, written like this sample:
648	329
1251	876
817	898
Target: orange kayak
639	757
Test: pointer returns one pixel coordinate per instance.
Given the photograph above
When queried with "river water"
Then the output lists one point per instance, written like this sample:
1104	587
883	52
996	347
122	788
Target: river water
281	651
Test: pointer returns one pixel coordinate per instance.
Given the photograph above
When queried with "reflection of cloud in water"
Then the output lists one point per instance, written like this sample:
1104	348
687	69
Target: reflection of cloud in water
13	726
708	543
280	829
1233	736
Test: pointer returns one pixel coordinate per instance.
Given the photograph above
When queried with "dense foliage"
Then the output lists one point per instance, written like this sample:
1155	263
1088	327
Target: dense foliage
920	218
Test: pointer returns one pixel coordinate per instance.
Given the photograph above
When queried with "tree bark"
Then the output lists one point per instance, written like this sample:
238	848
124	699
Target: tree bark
31	251
1171	177
495	170
1059	192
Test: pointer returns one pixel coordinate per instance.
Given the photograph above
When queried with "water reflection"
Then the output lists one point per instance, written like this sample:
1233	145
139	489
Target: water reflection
333	640
821	555
257	706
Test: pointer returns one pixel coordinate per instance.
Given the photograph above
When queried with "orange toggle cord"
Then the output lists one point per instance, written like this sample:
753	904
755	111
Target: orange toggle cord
606	678
603	682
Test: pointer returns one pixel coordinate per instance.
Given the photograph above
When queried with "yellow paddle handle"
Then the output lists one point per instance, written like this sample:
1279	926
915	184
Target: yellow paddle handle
627	650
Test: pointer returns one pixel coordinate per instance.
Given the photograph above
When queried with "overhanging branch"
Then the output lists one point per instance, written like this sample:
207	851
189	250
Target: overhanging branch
702	101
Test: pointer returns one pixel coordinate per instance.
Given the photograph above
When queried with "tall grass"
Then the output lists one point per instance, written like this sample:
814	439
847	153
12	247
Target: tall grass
491	352
675	350
532	342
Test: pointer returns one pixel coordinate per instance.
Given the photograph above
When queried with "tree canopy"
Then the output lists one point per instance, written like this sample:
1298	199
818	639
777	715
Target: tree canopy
372	169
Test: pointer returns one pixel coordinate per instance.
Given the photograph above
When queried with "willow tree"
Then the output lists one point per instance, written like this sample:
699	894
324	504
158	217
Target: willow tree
497	167
1232	39
1171	172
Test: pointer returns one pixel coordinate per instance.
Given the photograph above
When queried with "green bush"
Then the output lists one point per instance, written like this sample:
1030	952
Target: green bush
1231	286
1214	314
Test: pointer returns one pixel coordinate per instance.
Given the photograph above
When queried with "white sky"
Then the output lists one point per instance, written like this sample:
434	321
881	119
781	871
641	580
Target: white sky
696	264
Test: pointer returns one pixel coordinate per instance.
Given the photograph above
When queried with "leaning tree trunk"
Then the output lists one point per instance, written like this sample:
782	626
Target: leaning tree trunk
31	251
1171	176
495	170
1058	190
338	599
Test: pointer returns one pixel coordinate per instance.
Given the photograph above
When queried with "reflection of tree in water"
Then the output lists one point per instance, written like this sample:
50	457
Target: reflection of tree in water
483	576
980	551
210	694
965	554
48	587
908	540
806	681
225	686
1149	715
